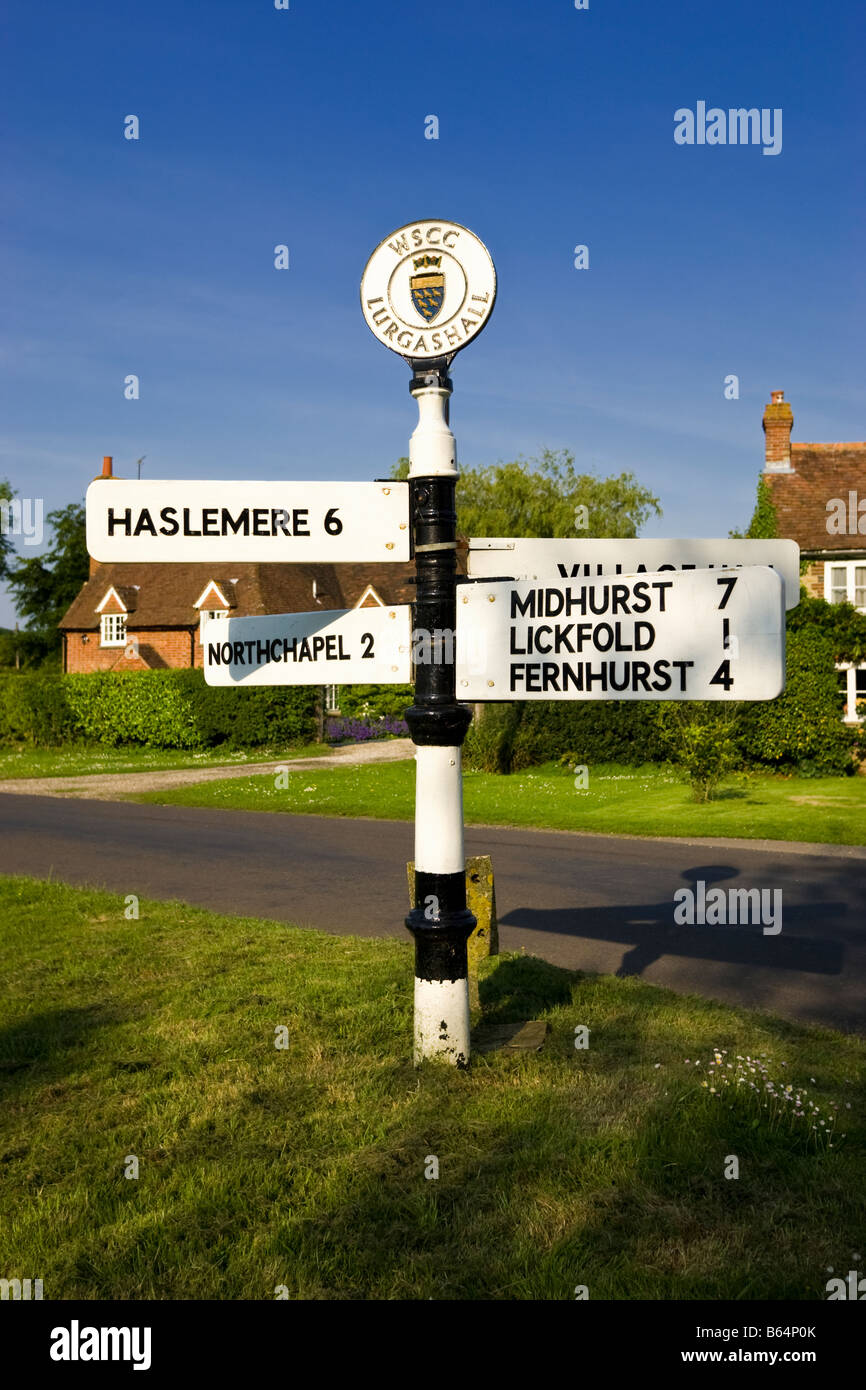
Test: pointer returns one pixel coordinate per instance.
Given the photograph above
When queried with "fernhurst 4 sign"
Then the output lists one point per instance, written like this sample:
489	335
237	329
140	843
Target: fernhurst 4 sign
259	522
700	635
585	559
357	646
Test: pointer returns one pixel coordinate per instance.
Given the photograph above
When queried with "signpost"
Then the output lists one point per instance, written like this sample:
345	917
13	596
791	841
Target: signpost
694	635
355	646
160	522
426	291
573	558
537	619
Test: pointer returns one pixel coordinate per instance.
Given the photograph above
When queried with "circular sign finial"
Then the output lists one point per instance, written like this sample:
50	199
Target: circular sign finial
428	289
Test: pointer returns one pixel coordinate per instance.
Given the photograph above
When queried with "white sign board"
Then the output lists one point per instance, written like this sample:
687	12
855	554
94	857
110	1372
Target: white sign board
291	522
354	646
700	635
428	289
573	558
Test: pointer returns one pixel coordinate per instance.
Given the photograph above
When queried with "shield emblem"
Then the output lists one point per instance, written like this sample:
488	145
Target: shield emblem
428	294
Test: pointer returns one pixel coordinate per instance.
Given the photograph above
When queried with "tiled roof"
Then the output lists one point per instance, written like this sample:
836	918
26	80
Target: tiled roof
820	473
166	594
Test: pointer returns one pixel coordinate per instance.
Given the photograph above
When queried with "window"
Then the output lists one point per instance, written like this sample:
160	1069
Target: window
113	631
209	615
852	690
846	581
332	703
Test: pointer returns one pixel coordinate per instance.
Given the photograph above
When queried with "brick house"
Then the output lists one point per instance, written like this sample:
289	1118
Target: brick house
141	617
819	493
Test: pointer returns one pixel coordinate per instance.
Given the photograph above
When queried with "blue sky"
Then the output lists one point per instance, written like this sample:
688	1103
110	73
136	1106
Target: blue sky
306	127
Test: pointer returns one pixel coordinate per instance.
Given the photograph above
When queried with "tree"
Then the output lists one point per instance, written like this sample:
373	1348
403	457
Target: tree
764	525
45	586
546	497
7	549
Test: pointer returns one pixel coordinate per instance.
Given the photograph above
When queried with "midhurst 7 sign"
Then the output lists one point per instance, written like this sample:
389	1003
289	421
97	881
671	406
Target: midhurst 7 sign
356	646
157	521
573	558
698	635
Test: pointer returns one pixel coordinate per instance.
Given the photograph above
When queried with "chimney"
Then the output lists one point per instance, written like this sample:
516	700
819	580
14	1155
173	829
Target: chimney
778	422
107	460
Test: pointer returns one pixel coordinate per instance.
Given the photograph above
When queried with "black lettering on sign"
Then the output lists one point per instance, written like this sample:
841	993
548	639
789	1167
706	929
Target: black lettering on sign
729	589
114	520
723	676
368	638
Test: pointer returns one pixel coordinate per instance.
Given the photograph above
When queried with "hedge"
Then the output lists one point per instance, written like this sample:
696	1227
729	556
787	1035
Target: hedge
802	730
159	709
509	737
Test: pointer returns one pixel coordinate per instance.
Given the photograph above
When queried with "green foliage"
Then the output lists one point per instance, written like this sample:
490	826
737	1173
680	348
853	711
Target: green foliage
802	730
511	737
157	709
44	586
6	543
841	623
539	497
765	522
153	708
489	742
701	739
372	701
619	731
34	709
253	717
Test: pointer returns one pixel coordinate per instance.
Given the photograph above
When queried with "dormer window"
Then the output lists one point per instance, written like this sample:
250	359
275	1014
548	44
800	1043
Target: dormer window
209	615
212	603
112	630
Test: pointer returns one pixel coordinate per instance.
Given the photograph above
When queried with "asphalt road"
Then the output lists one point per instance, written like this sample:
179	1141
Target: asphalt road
587	902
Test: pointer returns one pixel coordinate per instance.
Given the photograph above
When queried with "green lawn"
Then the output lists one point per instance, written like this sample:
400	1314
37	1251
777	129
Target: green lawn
305	1167
619	800
81	761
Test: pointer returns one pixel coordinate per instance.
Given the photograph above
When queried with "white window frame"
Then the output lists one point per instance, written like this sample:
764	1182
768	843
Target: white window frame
851	716
112	630
332	703
207	615
850	567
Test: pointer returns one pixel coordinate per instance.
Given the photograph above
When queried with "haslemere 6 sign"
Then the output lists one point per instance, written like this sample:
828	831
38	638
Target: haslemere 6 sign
693	635
355	646
161	521
573	558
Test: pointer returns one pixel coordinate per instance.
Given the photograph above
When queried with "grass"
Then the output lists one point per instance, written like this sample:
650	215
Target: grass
619	800
79	760
305	1167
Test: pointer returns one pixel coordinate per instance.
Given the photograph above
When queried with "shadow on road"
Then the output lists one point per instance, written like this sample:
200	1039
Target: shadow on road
654	933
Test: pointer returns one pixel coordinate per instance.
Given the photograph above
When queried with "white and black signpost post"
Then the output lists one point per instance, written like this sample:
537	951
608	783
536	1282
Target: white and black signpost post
426	291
